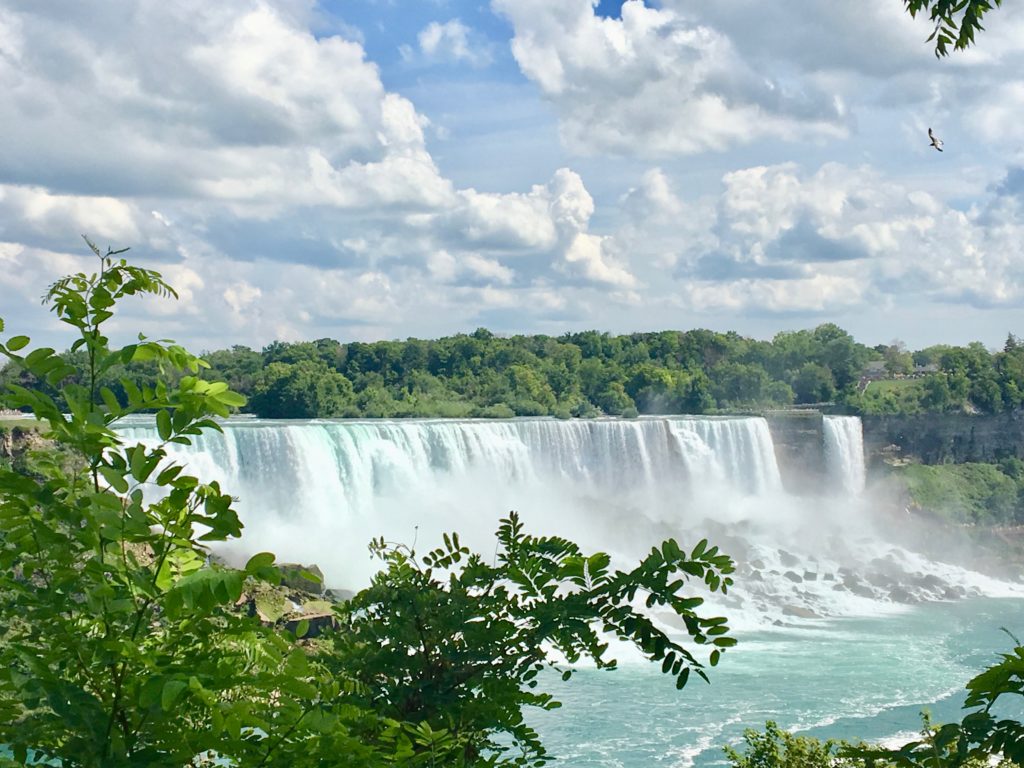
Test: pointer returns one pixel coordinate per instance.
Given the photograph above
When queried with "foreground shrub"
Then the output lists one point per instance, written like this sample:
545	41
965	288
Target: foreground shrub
776	748
124	644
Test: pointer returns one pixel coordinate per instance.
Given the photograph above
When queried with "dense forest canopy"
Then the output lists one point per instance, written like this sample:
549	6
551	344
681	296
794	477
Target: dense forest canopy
591	373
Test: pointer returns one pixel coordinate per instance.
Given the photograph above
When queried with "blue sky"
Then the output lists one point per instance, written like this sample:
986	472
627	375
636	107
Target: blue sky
366	169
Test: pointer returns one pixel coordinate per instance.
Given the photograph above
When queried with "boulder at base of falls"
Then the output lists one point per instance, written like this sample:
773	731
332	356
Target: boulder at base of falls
880	579
794	577
336	595
799	612
810	576
788	560
316	623
861	590
900	595
927	581
305	578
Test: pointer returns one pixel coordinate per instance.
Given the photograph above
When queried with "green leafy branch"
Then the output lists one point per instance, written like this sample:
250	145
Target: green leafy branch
956	21
449	640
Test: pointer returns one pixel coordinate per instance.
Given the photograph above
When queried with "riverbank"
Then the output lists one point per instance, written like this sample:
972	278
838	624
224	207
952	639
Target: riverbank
942	527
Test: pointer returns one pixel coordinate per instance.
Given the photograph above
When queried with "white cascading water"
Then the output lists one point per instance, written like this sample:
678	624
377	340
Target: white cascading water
318	491
350	469
844	452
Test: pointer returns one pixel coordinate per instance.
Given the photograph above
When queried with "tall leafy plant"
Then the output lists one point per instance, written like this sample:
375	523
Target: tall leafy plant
956	21
119	643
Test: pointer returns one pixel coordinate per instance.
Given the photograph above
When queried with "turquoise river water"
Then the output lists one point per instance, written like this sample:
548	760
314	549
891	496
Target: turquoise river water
850	678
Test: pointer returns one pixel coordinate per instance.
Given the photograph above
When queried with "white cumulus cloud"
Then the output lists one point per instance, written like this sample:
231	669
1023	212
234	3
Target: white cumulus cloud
654	83
453	40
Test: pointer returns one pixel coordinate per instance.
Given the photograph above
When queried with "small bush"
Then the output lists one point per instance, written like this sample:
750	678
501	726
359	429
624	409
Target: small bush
529	408
776	748
496	411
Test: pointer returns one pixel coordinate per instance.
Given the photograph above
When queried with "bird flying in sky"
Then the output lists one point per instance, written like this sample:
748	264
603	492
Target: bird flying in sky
936	141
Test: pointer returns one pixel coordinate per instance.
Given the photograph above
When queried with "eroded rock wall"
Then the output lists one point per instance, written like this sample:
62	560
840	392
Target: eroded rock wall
944	438
799	449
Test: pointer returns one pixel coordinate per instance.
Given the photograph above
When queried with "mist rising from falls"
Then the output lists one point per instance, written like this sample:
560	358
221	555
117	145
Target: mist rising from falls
318	491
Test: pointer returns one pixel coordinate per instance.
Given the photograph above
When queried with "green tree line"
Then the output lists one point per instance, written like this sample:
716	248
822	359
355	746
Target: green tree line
591	373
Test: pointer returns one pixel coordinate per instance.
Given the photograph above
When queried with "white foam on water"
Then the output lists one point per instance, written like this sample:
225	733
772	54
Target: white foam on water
898	740
708	738
869	708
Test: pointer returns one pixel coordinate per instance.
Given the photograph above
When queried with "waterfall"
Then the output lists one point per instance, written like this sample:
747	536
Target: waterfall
844	452
350	467
318	491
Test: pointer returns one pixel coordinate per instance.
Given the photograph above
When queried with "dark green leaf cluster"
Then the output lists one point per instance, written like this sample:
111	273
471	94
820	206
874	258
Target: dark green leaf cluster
956	21
452	641
121	644
776	748
938	747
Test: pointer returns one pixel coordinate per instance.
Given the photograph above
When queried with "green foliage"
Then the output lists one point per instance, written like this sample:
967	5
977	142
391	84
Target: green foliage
301	390
956	21
586	374
122	647
937	396
776	748
124	644
814	383
938	747
975	493
498	411
902	396
582	374
740	385
449	640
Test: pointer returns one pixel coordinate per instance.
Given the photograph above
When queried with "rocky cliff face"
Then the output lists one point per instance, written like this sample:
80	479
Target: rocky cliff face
944	438
799	449
16	441
927	438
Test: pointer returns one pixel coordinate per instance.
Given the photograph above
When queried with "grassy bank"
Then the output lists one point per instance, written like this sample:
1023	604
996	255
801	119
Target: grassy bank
971	514
971	494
